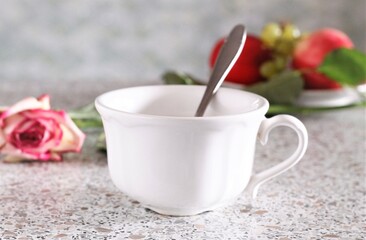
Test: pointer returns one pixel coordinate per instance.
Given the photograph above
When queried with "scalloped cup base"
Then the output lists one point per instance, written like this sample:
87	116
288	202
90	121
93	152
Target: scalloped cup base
181	212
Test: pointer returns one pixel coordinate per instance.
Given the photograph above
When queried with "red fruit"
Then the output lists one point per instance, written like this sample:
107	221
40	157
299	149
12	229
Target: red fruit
315	80
246	68
311	51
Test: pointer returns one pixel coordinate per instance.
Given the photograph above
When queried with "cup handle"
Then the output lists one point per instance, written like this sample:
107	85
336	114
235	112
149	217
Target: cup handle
265	128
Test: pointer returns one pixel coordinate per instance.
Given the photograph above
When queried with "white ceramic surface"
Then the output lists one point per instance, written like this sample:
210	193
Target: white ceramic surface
328	98
322	98
177	164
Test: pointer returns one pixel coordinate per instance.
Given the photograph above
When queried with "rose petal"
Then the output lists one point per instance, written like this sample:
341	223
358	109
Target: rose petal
24	125
50	140
68	142
73	137
26	104
45	101
78	135
56	156
13	158
72	140
53	129
10	150
11	123
2	139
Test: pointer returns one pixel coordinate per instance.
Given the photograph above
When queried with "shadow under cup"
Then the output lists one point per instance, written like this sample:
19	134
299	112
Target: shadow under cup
175	163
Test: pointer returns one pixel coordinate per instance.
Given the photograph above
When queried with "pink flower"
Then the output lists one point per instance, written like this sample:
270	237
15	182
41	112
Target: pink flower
31	130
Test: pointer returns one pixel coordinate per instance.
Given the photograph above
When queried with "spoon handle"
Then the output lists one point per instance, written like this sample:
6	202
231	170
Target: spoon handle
226	59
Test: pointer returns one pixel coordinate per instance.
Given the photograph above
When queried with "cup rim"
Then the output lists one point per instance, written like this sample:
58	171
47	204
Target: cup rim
101	106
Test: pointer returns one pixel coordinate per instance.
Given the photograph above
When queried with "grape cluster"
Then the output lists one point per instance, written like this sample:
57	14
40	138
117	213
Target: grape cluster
281	38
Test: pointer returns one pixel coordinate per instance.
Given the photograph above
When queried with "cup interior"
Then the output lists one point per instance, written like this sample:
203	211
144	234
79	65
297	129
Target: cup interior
179	101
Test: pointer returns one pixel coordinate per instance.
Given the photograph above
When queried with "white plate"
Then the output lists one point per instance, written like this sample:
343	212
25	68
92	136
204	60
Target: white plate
329	98
323	98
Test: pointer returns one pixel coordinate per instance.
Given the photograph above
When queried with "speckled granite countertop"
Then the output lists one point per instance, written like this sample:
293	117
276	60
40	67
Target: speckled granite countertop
323	197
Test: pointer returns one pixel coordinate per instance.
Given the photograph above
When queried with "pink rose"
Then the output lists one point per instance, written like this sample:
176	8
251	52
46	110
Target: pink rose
31	130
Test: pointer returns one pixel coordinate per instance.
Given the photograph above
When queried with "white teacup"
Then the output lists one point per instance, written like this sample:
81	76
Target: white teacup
178	164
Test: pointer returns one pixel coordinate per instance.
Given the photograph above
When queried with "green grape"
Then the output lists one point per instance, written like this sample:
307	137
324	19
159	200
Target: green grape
284	47
270	33
280	62
290	32
268	69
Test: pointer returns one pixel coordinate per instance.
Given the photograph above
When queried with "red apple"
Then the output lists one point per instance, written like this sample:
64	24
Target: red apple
246	69
310	52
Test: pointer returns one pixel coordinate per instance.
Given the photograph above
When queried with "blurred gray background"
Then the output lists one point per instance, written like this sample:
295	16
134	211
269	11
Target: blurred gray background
136	40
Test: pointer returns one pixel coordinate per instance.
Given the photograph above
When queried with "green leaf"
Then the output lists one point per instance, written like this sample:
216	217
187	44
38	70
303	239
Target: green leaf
179	78
101	142
88	123
346	66
283	88
86	117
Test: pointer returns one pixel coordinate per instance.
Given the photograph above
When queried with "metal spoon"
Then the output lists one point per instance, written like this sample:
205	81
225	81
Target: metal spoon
228	55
